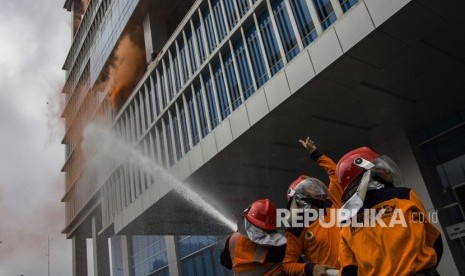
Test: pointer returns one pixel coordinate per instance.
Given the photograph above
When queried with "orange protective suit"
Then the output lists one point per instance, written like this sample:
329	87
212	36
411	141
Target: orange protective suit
319	245
251	259
398	250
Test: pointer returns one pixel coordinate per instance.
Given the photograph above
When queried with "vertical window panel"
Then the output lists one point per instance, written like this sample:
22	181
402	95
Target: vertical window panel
230	13
304	21
269	39
201	110
193	118
169	143
244	70
177	73
209	32
169	80
325	12
191	45
177	138
162	88
211	100
219	18
243	6
183	122
347	4
200	43
231	80
221	90
184	63
256	56
286	32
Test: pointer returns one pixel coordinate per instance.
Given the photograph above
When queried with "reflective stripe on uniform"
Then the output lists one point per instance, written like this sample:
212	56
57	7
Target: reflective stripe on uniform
259	254
232	245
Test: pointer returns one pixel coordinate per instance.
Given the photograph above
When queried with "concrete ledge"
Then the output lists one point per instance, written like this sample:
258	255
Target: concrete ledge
299	71
239	121
257	107
354	26
277	90
381	10
208	145
195	158
223	135
325	50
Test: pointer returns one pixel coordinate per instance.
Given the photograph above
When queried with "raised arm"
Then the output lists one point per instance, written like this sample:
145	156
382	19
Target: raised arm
328	165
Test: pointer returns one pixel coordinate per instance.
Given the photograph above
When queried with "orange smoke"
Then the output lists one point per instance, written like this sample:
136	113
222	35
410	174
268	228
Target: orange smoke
128	66
85	3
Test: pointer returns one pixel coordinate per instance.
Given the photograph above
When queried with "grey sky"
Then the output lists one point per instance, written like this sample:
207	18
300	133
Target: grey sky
35	37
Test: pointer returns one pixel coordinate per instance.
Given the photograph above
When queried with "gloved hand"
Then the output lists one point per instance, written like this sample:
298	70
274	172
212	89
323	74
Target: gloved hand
320	270
308	144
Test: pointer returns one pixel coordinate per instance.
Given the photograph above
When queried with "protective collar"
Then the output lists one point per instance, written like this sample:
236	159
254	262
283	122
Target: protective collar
261	237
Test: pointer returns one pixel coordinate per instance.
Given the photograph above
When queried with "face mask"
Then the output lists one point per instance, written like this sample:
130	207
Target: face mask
264	238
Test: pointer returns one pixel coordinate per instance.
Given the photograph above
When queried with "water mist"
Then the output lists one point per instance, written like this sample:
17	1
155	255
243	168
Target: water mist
104	146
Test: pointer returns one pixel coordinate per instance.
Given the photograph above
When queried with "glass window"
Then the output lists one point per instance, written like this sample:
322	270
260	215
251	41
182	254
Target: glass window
169	140
304	21
200	254
154	92
191	45
149	256
243	6
192	117
271	47
162	144
221	90
201	110
177	138
244	70
184	63
220	26
162	89
177	73
231	80
210	33
286	32
211	100
185	135
325	12
230	13
256	56
201	47
169	80
347	4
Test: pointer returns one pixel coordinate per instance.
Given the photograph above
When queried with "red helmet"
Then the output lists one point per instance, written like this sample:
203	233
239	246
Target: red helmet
348	167
262	213
310	190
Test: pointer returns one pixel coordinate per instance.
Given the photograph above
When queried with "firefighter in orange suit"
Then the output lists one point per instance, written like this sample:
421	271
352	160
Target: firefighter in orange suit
410	246
260	248
318	244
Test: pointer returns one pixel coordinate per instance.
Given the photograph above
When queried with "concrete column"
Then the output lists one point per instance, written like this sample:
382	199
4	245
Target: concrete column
155	35
126	250
172	253
79	256
100	250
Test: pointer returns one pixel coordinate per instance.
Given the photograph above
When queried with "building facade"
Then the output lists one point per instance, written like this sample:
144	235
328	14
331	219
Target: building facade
217	92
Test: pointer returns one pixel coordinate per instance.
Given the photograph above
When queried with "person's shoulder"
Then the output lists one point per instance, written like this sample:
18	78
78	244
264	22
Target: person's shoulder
375	197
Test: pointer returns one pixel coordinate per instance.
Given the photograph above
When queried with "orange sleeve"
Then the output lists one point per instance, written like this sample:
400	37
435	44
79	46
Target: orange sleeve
334	188
346	256
294	250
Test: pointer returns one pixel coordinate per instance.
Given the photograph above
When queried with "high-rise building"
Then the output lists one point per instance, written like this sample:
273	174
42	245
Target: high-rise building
217	92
